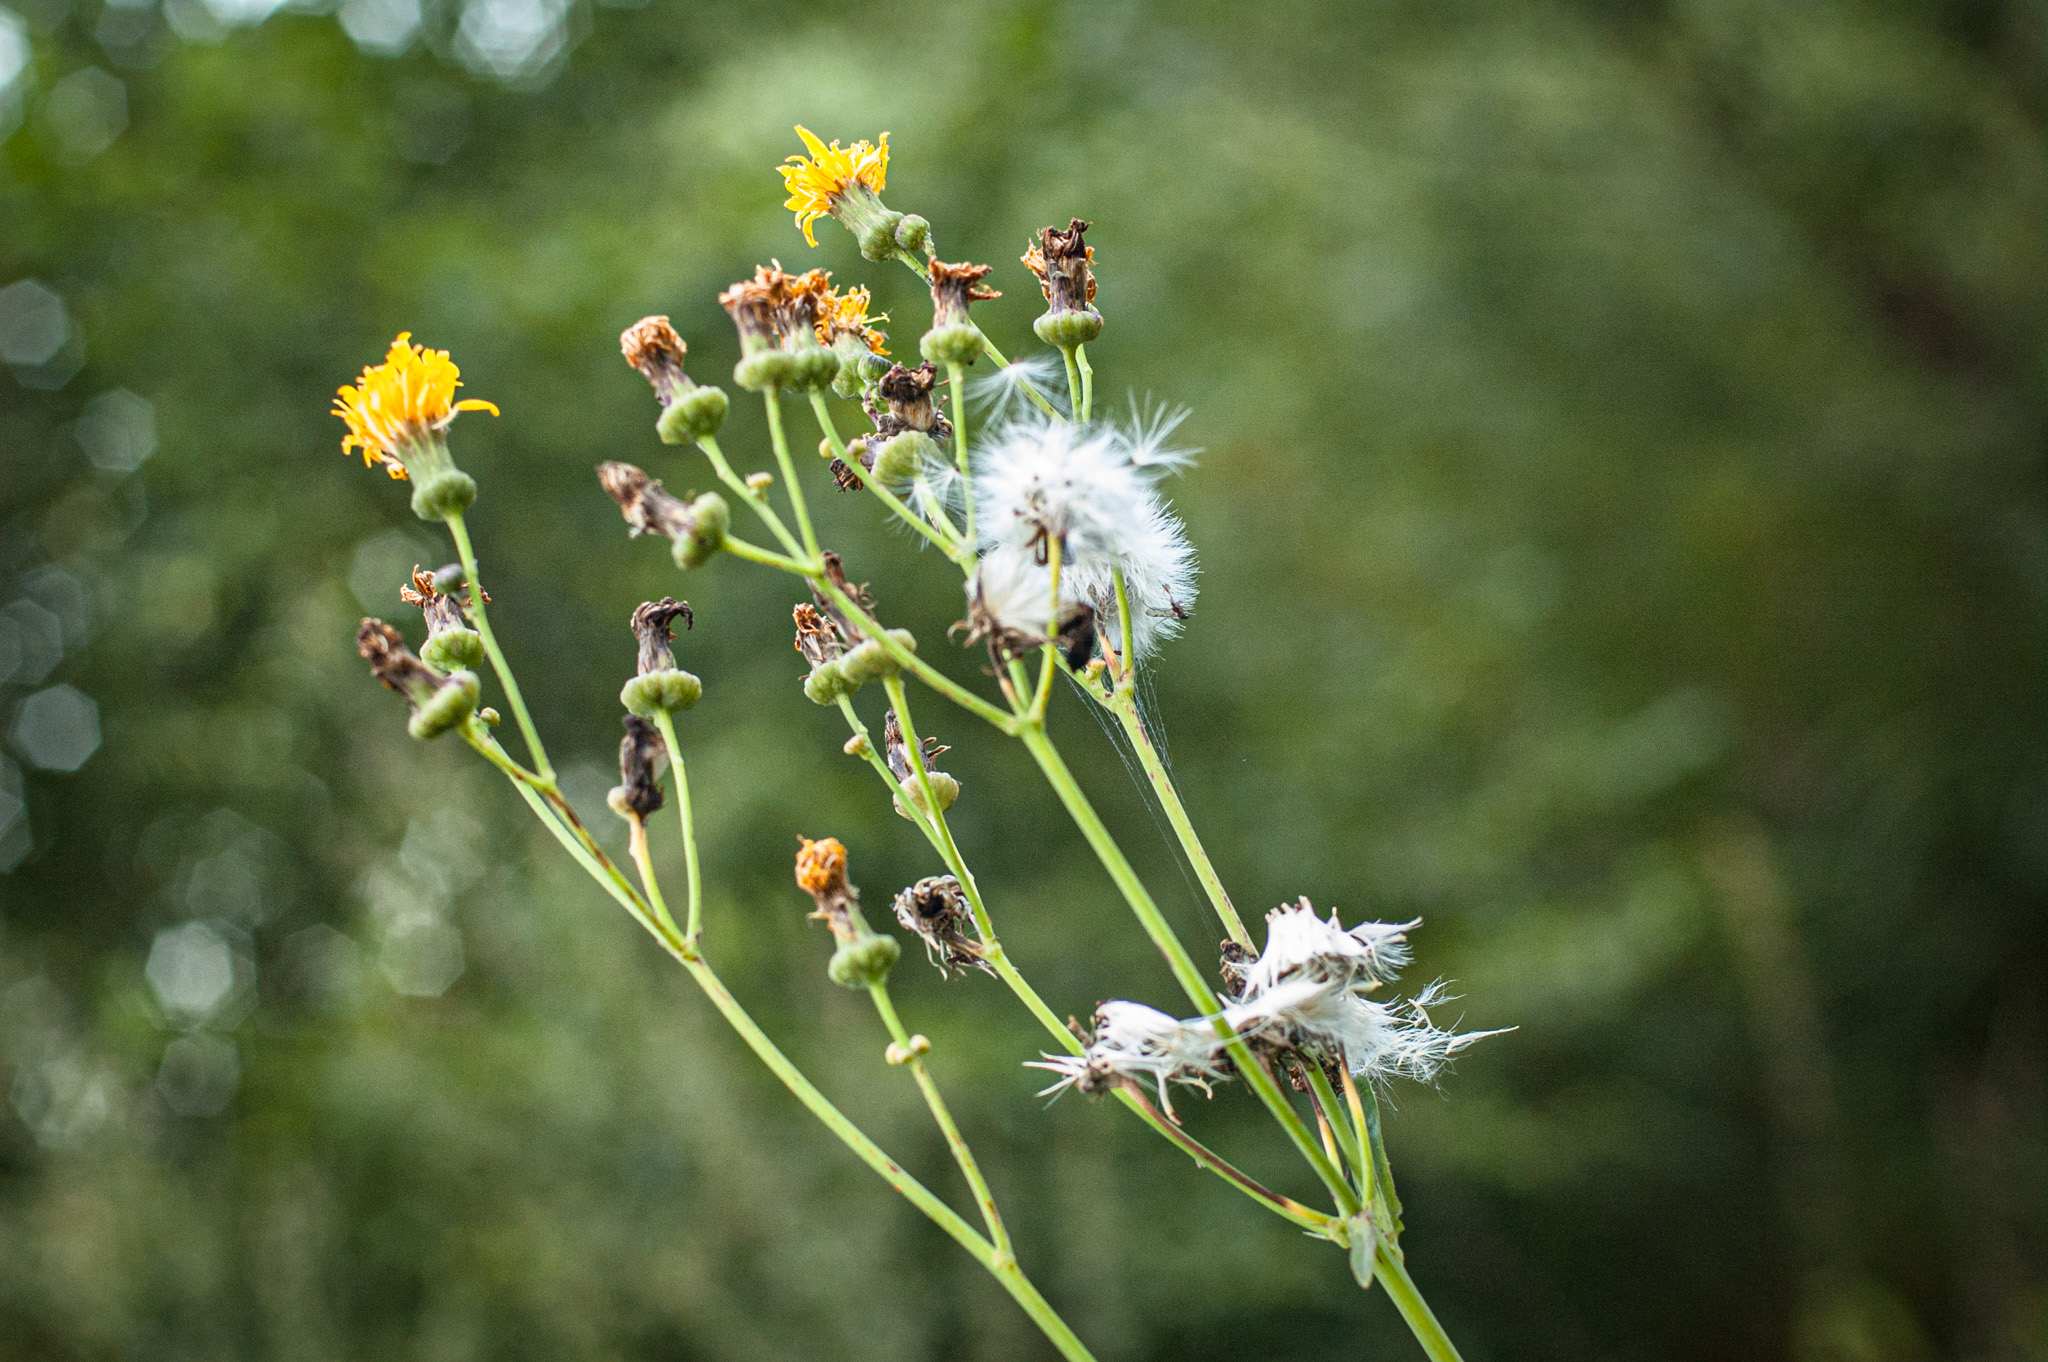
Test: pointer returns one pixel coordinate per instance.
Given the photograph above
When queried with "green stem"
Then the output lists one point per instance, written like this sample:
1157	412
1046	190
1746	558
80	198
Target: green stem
887	497
1333	1115
911	662
754	553
760	503
694	922
962	1155
1087	381
1124	705
794	488
1127	659
1382	1171
1421	1320
956	380
477	612
1073	381
636	833
988	347
1312	1220
1051	661
1184	970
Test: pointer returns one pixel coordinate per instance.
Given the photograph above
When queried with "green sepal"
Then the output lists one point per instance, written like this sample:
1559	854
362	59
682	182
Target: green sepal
443	494
696	414
453	650
960	343
1068	329
766	369
451	703
864	961
661	692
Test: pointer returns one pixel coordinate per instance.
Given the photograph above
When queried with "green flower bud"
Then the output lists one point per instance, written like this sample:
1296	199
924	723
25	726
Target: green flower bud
864	961
453	650
958	343
827	683
868	662
913	233
945	792
696	414
899	459
766	369
709	519
1068	329
443	494
490	716
816	367
660	692
878	239
452	702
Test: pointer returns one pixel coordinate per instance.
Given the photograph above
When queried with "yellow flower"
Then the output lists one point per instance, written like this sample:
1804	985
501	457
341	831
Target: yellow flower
816	184
846	314
402	404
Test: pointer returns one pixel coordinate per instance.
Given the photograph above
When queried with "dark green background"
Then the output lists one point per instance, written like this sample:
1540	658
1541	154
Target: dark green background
1622	531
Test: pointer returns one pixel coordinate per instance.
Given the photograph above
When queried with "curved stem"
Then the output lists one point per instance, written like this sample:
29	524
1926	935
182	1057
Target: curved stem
1087	381
910	662
477	612
1073	383
1306	1217
1415	1311
988	347
754	553
1127	658
1184	970
956	380
1053	553
762	508
962	1155
793	487
636	835
694	921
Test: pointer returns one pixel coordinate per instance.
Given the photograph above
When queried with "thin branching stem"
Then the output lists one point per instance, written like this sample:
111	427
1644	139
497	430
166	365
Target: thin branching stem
460	532
773	401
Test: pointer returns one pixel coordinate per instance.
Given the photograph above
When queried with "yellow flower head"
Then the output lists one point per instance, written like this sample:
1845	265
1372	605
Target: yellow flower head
401	403
846	314
817	183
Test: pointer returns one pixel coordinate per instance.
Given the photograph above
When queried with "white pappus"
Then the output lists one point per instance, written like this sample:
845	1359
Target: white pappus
1139	1042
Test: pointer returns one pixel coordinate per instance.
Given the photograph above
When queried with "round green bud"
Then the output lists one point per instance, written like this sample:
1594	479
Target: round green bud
864	962
446	708
443	494
709	519
490	716
816	367
868	662
1068	329
696	414
913	233
827	684
900	457
453	650
660	692
767	369
960	343
945	792
878	242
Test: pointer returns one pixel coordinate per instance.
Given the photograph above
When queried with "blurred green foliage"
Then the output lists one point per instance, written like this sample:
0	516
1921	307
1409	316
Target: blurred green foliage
1622	520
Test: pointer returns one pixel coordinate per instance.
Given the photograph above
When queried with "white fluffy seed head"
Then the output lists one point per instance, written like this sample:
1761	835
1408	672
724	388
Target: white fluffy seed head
1036	479
1298	943
1002	391
1015	591
1140	1042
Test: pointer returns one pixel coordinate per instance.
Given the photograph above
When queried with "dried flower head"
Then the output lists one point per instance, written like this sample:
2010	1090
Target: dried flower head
1009	603
404	403
1133	1042
897	751
935	908
846	314
823	183
821	873
908	393
441	609
653	625
818	636
646	504
1301	945
756	307
954	287
652	346
391	662
638	792
1064	265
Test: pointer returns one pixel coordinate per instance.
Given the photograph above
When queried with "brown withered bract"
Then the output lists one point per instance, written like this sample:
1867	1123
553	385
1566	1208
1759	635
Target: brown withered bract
897	751
818	636
755	306
909	395
935	908
1064	266
391	662
652	346
1235	969
821	873
653	625
646	505
638	790
835	573
954	287
442	611
844	477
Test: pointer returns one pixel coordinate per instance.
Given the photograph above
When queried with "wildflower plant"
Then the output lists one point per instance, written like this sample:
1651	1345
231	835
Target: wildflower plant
1072	564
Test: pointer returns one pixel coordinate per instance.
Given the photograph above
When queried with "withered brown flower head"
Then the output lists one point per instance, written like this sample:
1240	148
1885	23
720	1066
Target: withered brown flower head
818	636
935	909
846	314
821	873
898	751
1064	265
1235	969
909	395
954	287
754	306
391	662
652	346
638	790
646	505
653	624
441	610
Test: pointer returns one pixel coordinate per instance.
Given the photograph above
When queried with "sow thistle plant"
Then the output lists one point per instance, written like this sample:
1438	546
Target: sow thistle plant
1072	564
